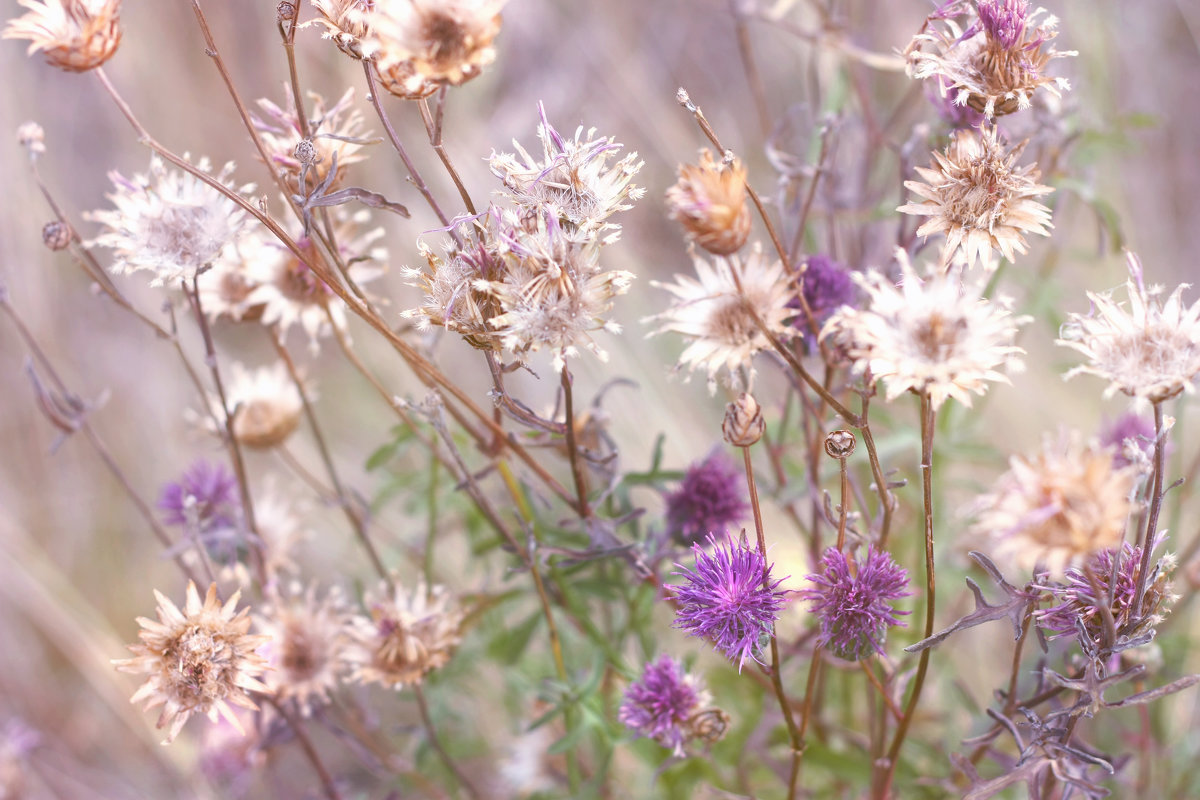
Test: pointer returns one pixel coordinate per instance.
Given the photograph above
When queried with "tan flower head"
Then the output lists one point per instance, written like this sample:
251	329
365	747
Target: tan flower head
973	193
265	404
336	129
1150	351
709	200
75	35
992	55
201	659
934	335
715	312
346	23
407	635
441	41
1057	506
225	288
309	638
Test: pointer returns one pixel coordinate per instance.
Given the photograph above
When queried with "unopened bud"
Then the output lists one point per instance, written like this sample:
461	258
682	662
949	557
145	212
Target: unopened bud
839	444
709	200
744	424
56	235
305	152
285	11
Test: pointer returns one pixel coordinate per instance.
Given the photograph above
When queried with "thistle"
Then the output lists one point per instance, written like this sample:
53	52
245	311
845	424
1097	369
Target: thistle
853	601
666	704
710	498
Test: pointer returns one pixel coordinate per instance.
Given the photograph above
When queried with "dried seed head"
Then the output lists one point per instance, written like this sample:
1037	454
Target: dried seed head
285	12
266	405
839	444
75	35
448	41
709	200
744	423
408	635
56	235
402	80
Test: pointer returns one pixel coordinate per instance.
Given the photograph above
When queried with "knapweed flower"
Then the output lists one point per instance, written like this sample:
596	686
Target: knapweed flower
729	599
198	660
826	286
711	498
853	601
265	404
206	503
407	636
717	317
309	637
937	335
664	704
437	41
1131	439
1079	603
709	201
75	35
573	181
334	130
1150	351
1058	506
993	61
169	222
974	194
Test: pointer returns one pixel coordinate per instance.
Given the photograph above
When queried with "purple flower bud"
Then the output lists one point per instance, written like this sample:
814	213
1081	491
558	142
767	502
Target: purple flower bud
729	599
710	499
1004	20
851	601
661	704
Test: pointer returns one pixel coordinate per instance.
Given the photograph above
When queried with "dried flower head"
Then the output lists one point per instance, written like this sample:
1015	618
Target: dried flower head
709	200
715	312
573	181
1150	351
992	61
226	287
75	35
729	599
336	130
346	24
853	601
309	638
973	193
440	41
936	336
265	404
1081	607
406	637
169	222
201	659
666	704
711	498
1058	506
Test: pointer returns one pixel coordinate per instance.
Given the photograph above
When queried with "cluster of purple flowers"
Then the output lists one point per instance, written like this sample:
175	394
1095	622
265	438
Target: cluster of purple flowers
852	601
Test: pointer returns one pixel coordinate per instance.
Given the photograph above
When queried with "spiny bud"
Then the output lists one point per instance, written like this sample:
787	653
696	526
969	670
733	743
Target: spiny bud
744	424
56	235
709	200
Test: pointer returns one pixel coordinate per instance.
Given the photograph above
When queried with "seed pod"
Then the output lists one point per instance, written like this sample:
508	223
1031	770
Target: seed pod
744	424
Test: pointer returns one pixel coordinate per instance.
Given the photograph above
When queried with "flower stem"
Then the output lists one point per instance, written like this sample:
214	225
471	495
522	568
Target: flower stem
436	743
1156	498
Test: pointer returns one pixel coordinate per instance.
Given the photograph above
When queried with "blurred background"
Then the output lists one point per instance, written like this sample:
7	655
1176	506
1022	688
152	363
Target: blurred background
77	564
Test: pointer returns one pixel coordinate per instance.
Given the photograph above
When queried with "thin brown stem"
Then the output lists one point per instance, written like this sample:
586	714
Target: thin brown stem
433	126
585	510
887	698
1156	498
310	751
750	67
436	743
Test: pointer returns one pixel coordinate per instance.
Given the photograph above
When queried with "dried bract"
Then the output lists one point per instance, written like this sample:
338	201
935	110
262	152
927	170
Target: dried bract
265	404
709	200
407	636
440	41
309	638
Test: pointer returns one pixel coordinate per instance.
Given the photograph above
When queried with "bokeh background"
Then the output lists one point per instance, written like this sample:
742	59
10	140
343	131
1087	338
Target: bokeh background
76	562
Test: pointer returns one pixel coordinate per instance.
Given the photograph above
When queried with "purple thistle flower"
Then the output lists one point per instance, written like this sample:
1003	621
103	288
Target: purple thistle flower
729	599
205	502
1004	20
1081	605
661	704
711	498
1129	435
827	286
852	601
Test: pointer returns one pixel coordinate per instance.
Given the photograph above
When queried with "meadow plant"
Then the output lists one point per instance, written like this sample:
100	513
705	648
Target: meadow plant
478	562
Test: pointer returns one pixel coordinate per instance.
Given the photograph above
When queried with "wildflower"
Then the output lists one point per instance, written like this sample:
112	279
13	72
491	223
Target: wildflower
335	131
346	24
709	200
1150	351
1131	438
226	287
995	62
265	404
407	636
205	502
289	291
573	181
198	660
975	196
1080	603
826	286
716	312
711	498
169	222
440	41
730	599
309	637
853	601
664	704
75	35
1057	506
934	336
